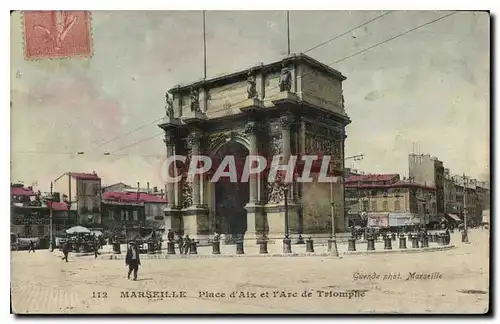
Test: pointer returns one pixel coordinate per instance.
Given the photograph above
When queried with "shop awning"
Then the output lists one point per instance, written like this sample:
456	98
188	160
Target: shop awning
454	217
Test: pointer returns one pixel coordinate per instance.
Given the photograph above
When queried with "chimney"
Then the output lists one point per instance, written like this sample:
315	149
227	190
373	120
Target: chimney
138	190
161	191
147	185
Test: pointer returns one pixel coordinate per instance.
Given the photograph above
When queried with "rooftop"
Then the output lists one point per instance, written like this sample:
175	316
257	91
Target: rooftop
133	197
84	176
373	178
242	74
21	191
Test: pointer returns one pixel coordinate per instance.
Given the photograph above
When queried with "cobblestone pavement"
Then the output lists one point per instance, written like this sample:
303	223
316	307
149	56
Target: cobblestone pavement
43	283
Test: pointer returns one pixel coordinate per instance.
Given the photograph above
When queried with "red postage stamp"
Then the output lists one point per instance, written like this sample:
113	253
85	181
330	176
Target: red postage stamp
56	34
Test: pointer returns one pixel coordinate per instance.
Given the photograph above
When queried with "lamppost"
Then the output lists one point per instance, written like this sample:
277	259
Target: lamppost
332	242
423	217
287	229
51	200
287	242
465	236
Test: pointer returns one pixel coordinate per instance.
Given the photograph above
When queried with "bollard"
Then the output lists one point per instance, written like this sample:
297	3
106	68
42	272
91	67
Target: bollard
426	241
309	245
402	241
151	248
215	247
414	241
300	240
387	243
116	248
263	245
170	247
239	247
465	237
440	239
371	243
351	244
193	248
287	245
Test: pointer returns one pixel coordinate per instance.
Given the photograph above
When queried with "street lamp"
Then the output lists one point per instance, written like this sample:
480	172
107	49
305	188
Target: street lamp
287	229
423	217
51	200
332	242
287	242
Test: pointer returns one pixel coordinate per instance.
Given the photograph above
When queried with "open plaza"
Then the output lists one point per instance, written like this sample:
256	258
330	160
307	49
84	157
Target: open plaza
454	280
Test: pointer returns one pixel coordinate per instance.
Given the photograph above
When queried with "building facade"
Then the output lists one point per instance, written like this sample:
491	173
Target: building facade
132	213
428	170
291	107
387	193
30	213
82	191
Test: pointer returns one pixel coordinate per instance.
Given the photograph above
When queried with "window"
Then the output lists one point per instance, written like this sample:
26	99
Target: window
374	205
384	205
397	205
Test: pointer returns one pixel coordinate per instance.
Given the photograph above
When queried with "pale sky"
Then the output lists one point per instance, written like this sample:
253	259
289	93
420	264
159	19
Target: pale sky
430	86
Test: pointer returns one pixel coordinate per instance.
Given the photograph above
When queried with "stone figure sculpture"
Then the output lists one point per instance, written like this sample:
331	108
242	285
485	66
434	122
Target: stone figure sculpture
195	100
169	106
251	86
285	81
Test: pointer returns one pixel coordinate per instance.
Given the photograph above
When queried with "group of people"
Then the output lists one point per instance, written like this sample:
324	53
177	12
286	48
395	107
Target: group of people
67	246
184	243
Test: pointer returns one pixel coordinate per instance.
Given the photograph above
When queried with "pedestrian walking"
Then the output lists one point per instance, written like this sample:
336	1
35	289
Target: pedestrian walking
132	260
66	249
31	246
187	244
96	249
180	243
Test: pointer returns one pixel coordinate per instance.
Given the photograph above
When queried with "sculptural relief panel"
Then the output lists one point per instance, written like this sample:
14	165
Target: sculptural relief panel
226	100
272	88
321	90
185	104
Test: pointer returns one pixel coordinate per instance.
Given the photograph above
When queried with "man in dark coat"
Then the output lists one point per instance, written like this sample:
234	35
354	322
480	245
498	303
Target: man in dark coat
132	260
31	247
180	243
96	249
187	244
66	249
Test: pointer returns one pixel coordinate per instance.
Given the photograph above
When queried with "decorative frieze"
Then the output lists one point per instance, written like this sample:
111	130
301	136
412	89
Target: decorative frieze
194	138
276	144
252	128
187	196
286	121
169	139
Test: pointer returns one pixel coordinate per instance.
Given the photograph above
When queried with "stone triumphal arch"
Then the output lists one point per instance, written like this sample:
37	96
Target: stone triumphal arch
291	107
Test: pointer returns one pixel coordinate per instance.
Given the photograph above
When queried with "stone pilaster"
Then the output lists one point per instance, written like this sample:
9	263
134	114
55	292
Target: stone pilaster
285	123
195	217
256	224
194	140
171	214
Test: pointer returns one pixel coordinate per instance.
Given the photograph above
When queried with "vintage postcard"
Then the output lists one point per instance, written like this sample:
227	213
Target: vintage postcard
252	162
